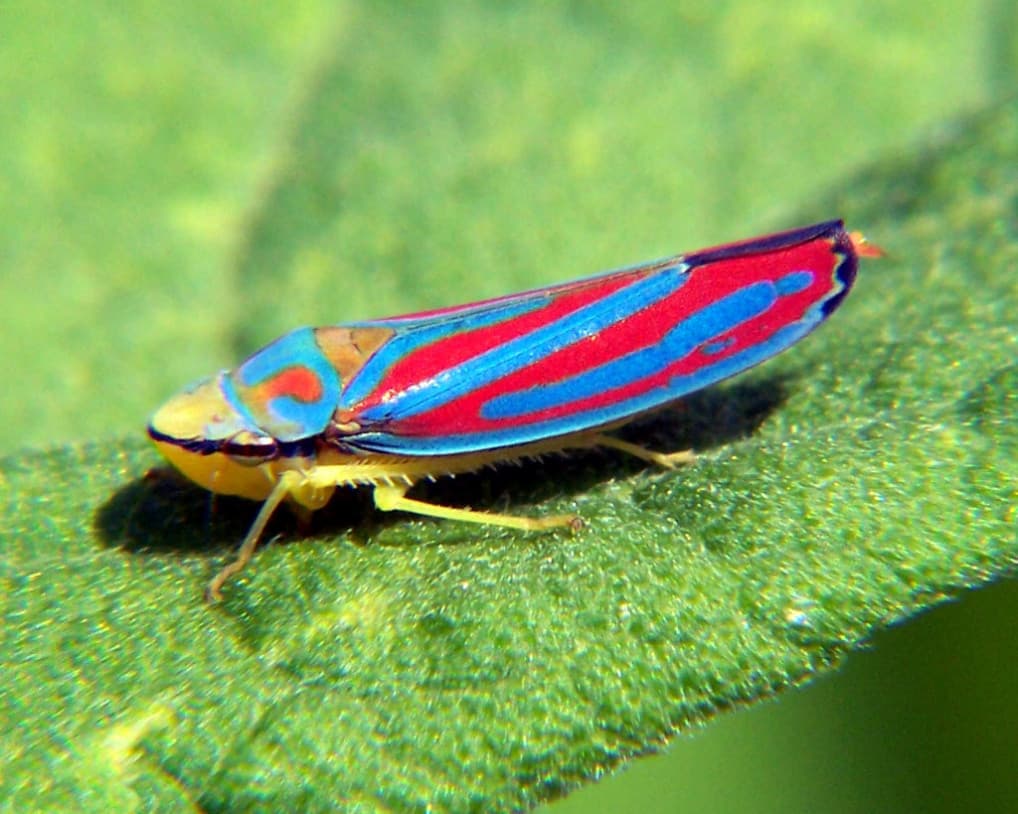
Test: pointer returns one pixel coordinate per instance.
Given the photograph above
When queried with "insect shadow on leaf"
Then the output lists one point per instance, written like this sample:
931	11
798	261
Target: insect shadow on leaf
162	511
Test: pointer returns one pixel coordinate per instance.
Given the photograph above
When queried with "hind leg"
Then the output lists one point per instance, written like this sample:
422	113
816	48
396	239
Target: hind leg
393	498
667	460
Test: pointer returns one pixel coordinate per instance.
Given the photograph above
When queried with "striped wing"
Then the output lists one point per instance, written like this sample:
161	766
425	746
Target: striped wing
600	350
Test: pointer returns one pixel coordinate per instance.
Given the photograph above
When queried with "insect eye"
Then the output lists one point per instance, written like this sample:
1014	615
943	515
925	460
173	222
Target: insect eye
250	449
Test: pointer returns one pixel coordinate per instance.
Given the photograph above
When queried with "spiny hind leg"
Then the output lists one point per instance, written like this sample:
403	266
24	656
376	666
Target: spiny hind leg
287	483
393	498
667	460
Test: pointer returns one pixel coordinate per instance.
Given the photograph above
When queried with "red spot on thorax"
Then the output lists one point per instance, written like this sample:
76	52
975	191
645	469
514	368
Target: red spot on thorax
297	382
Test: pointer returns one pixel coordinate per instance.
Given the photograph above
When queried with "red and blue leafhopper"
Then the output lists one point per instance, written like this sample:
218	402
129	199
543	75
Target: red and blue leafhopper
389	402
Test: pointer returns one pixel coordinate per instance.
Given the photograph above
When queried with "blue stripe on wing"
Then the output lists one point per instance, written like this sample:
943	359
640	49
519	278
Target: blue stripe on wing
532	347
677	387
410	337
683	339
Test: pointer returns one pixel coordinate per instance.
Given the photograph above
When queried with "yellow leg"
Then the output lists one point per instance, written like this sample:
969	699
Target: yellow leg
312	488
393	498
286	483
668	461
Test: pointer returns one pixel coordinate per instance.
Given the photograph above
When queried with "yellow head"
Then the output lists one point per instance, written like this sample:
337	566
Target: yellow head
210	441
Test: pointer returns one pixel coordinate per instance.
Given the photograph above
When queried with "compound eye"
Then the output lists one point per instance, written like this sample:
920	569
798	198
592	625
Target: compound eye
250	449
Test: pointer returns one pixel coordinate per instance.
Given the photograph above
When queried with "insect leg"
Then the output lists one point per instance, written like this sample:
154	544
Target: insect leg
283	487
393	498
667	460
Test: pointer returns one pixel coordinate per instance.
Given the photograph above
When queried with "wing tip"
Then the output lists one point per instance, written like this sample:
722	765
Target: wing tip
850	246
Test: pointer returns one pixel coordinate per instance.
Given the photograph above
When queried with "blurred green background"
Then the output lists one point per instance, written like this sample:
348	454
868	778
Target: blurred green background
157	222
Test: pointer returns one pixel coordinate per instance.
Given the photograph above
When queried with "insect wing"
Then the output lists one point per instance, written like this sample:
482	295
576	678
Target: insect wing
603	349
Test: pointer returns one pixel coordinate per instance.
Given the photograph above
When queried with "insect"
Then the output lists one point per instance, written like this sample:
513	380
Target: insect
389	402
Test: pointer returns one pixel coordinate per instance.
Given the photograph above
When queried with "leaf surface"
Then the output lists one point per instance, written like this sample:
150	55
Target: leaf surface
395	662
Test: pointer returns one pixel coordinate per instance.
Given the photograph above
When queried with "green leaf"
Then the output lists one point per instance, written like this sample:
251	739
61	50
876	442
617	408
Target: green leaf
393	662
436	156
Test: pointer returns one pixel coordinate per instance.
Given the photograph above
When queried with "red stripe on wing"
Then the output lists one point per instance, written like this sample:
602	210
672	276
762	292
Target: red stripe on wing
443	355
643	328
